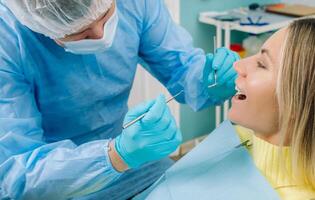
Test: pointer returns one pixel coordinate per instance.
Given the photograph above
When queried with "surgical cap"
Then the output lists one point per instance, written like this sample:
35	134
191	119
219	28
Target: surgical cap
57	18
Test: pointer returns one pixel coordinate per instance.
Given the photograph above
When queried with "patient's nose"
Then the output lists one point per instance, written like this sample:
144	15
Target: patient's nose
240	70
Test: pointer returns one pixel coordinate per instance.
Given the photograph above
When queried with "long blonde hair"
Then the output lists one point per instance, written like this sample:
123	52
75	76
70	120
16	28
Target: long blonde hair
296	97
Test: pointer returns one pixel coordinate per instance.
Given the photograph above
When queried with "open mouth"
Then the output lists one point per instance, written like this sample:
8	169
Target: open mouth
239	94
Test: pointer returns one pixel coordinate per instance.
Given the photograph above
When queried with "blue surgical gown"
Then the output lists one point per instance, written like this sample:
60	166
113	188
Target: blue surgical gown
59	110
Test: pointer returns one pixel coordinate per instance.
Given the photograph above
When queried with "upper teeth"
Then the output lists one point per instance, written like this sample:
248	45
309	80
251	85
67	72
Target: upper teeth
238	90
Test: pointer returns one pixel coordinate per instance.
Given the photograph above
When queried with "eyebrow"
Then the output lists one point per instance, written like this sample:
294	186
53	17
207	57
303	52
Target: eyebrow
100	19
267	52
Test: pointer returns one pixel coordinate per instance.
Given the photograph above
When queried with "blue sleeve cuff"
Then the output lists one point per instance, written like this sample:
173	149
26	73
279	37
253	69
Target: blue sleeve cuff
196	91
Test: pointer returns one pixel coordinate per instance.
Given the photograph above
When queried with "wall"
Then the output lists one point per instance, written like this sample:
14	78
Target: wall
194	124
306	2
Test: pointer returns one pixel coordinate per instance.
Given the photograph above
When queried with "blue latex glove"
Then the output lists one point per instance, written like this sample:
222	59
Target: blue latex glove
153	137
222	61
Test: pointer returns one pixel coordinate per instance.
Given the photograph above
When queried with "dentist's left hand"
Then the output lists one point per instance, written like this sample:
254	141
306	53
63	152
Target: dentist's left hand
152	138
221	62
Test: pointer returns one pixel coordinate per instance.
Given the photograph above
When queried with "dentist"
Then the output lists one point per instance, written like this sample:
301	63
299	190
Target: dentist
66	71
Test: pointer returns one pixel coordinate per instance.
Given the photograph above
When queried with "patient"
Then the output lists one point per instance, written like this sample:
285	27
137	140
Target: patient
276	100
276	103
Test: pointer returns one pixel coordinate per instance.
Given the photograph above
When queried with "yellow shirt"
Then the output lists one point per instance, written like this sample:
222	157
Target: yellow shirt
276	170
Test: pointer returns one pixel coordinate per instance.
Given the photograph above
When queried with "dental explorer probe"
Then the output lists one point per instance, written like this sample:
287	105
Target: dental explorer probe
167	101
176	95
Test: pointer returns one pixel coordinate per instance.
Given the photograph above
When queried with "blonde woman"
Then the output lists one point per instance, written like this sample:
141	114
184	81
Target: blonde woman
276	103
277	100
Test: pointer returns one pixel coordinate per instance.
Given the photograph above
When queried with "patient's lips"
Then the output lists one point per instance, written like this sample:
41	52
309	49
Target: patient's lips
240	94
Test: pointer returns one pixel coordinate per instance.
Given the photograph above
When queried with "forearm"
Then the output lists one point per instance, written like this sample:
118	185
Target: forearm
171	57
189	77
54	167
115	159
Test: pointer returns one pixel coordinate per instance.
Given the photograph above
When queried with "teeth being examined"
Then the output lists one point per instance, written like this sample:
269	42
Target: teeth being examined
239	94
238	90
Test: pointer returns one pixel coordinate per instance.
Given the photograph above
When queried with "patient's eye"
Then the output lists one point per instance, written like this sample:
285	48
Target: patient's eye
261	65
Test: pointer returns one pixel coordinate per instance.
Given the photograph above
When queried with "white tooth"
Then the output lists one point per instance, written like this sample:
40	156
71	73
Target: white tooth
237	89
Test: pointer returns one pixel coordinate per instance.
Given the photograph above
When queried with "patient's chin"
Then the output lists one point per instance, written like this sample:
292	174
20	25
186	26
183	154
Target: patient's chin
236	117
233	115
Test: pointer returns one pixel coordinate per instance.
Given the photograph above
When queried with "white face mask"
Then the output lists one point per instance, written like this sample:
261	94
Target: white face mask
91	46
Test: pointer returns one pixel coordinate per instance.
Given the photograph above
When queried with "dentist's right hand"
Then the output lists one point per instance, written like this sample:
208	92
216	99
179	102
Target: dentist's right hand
153	137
